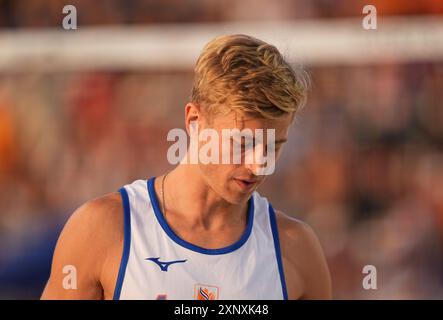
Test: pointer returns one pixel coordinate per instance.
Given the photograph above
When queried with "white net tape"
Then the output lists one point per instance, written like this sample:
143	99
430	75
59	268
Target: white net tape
314	42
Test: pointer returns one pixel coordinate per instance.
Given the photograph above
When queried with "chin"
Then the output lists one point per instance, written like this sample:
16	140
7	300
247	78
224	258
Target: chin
235	197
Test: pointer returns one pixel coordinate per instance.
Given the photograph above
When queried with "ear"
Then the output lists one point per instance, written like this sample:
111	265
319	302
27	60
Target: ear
192	113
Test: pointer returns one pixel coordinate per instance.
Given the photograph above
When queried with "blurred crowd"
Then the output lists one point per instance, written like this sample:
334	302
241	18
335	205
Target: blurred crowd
363	165
48	13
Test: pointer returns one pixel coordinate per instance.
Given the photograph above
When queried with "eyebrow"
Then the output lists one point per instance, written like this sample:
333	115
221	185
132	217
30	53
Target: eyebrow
279	141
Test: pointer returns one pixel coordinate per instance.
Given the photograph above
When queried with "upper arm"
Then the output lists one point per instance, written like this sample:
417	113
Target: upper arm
83	249
305	261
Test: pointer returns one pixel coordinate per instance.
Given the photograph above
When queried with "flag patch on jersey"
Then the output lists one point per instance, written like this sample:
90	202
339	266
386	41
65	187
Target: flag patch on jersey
205	292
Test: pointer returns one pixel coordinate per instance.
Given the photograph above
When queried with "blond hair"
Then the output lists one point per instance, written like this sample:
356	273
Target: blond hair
248	75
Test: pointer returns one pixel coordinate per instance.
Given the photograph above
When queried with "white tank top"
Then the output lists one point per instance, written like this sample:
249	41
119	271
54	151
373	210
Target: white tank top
158	264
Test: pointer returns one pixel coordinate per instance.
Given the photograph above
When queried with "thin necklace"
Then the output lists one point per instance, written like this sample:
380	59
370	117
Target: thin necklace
163	194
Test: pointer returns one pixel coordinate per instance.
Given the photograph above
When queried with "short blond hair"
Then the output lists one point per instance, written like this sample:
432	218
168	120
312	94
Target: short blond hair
247	75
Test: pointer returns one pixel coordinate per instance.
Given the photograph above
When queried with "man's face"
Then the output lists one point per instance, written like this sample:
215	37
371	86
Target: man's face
236	182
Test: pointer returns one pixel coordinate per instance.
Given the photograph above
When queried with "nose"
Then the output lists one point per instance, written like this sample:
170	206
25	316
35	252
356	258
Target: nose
255	160
259	162
254	169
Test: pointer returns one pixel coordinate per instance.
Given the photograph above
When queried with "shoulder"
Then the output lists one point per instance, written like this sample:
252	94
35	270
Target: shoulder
297	235
99	218
297	239
96	224
292	229
303	256
90	242
93	232
107	211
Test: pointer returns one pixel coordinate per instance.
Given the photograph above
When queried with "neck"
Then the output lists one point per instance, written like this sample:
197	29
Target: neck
189	197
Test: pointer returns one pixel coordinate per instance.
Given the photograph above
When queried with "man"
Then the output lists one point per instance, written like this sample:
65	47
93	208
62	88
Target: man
201	231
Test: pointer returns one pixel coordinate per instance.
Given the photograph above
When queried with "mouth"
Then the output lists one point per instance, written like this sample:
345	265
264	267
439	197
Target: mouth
246	184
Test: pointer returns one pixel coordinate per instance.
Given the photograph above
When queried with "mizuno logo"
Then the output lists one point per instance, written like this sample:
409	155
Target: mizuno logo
164	265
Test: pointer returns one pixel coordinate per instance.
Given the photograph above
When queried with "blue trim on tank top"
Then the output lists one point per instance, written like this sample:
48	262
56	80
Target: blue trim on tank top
163	223
278	251
126	243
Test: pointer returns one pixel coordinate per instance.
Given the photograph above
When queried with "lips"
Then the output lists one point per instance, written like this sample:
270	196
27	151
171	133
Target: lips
245	184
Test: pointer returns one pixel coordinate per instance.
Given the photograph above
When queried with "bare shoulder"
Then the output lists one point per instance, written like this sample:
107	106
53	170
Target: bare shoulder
292	230
101	216
94	230
91	243
298	241
304	261
98	222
